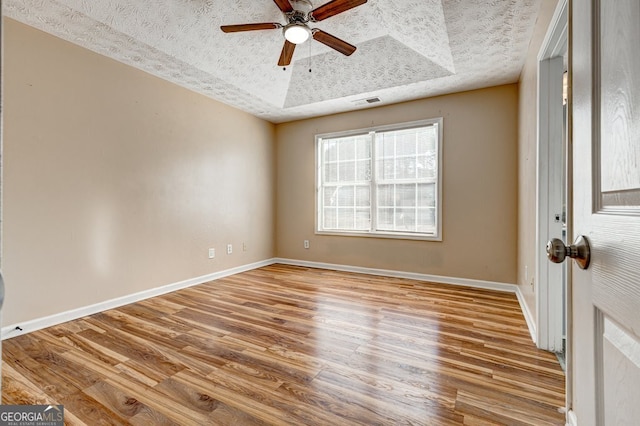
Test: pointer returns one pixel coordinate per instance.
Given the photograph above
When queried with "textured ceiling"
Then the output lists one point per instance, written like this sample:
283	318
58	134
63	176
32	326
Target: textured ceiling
407	49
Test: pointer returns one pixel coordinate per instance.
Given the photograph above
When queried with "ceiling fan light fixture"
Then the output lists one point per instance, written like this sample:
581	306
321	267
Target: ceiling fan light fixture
297	33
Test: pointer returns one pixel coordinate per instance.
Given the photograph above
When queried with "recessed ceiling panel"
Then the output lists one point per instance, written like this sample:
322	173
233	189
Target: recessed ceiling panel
377	64
420	25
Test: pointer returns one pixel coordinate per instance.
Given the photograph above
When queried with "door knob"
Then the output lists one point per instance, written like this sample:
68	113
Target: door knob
578	251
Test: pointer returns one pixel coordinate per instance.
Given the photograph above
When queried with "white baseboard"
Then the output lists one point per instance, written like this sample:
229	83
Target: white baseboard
49	321
528	316
488	285
572	420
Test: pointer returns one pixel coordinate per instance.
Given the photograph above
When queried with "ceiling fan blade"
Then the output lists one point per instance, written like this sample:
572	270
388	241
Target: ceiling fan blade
284	5
287	54
333	8
334	42
250	27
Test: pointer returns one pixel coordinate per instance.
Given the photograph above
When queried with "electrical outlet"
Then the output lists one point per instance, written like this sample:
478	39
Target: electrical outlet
229	249
306	244
212	253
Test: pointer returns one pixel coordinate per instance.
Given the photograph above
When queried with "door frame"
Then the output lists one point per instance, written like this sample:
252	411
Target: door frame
549	191
1	174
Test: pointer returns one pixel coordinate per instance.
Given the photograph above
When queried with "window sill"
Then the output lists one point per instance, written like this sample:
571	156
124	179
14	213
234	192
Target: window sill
387	235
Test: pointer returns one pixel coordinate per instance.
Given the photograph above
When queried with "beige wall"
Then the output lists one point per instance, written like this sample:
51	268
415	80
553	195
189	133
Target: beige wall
479	196
117	182
527	144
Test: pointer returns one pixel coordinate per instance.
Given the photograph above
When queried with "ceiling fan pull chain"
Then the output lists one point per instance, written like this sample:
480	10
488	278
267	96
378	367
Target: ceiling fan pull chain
309	55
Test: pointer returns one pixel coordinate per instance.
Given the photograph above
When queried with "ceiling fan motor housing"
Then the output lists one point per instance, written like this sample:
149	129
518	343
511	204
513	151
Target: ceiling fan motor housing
297	31
301	8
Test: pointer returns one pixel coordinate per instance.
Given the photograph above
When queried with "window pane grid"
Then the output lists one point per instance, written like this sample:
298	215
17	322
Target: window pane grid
383	181
406	207
346	167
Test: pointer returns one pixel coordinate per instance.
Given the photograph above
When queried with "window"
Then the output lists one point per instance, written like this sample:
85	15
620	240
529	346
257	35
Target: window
384	181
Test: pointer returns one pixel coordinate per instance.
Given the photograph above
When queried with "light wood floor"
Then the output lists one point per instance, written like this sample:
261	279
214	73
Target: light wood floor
290	345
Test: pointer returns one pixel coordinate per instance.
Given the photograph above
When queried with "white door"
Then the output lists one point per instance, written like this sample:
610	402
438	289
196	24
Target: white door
606	138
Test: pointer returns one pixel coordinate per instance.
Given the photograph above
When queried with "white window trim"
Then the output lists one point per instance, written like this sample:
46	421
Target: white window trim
437	236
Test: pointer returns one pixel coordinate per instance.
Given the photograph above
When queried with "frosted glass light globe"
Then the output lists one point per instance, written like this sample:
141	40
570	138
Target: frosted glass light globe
297	33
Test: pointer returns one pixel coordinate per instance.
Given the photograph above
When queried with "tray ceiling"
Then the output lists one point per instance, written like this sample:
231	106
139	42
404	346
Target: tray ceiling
407	49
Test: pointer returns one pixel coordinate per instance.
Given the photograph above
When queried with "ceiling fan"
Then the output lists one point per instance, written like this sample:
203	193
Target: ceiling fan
299	14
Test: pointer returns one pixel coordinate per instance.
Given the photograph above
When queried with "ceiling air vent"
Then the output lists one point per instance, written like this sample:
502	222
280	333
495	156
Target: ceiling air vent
366	101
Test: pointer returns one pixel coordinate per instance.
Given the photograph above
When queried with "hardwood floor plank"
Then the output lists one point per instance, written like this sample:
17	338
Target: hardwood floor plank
286	345
20	390
195	399
86	346
89	411
45	379
143	358
506	413
419	400
144	329
158	401
353	404
245	396
118	401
